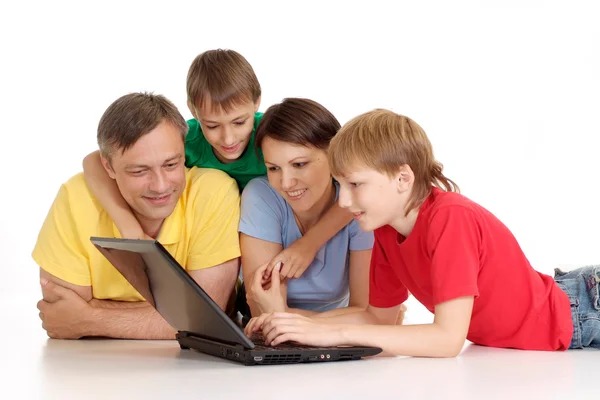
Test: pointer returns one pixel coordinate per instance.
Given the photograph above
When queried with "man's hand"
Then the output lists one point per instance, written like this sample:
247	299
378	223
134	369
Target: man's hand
267	296
295	259
286	327
68	316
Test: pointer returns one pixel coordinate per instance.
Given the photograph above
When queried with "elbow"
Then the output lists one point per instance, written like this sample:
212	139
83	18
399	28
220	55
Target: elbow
452	348
91	159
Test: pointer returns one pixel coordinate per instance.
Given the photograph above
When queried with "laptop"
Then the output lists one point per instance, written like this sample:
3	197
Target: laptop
199	321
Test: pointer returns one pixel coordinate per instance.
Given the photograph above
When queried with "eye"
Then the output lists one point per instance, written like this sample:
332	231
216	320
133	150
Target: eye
299	164
273	169
137	172
355	184
211	126
240	123
171	165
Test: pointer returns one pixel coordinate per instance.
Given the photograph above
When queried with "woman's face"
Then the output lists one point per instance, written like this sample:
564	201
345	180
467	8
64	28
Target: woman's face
300	174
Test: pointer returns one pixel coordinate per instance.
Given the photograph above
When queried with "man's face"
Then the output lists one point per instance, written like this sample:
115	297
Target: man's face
151	173
227	132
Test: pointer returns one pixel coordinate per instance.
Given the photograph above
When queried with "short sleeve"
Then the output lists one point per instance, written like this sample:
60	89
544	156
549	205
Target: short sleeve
453	243
262	214
359	239
194	144
215	200
59	250
385	288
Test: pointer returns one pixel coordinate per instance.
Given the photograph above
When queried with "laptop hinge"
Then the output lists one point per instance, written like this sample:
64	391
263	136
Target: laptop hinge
211	339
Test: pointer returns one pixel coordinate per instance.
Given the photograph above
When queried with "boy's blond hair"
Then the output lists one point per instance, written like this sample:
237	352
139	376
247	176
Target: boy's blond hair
223	78
384	141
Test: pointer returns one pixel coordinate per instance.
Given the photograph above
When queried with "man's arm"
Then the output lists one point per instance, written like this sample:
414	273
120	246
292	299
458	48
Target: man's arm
68	311
85	292
218	281
142	322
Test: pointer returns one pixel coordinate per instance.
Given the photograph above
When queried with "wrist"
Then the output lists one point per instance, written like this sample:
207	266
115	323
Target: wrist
90	325
344	334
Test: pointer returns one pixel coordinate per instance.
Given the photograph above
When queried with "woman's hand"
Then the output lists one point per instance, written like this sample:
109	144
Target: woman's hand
267	295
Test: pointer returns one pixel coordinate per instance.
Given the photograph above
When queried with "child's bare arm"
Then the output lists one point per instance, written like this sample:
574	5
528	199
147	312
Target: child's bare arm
296	258
106	191
445	337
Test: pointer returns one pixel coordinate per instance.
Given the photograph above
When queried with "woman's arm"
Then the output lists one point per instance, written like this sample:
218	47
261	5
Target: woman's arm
256	252
107	192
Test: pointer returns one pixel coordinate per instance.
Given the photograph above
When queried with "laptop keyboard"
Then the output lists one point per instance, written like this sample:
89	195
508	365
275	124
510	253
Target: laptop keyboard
259	342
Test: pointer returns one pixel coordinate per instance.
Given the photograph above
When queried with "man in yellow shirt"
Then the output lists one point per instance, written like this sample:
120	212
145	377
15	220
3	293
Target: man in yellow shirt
194	213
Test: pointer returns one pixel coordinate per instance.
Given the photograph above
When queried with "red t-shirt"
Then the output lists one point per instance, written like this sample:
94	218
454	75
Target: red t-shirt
457	248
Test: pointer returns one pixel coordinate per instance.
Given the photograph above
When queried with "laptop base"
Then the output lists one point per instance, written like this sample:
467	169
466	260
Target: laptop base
272	355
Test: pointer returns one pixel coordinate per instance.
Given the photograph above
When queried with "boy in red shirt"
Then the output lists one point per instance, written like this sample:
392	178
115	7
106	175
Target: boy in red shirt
452	254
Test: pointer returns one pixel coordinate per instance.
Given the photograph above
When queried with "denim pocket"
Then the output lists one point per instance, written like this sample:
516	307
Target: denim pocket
592	283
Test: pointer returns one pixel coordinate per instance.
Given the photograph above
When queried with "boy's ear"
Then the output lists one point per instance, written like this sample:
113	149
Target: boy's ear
107	167
405	178
257	104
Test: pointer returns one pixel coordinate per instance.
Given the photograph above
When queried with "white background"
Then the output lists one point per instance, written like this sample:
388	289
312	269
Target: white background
508	91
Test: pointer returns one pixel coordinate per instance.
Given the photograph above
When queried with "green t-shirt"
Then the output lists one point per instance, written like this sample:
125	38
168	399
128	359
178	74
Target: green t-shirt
199	153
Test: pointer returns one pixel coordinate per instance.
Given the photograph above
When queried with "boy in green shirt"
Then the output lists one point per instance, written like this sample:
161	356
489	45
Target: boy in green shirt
223	96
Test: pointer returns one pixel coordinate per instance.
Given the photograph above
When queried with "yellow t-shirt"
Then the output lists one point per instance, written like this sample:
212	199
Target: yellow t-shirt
201	232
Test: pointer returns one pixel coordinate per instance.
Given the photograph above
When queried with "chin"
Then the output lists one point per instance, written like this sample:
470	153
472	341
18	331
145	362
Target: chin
159	212
368	226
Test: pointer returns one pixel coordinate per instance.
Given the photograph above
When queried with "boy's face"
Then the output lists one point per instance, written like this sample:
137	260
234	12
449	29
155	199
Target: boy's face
151	173
375	199
227	132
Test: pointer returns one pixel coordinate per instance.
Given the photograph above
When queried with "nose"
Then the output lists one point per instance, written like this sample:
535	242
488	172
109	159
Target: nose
160	182
344	197
288	180
227	136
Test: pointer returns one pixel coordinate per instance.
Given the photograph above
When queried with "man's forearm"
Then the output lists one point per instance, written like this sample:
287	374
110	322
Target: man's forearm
97	303
129	323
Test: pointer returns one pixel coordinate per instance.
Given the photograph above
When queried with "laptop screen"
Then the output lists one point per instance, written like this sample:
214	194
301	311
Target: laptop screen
165	285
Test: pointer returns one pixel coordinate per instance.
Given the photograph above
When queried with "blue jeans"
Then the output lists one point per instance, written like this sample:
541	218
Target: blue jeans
582	286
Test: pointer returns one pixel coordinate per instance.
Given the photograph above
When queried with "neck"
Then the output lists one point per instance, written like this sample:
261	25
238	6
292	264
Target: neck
405	224
309	218
151	227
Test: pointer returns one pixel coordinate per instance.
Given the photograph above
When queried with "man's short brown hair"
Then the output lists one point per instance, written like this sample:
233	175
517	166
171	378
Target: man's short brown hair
223	78
132	116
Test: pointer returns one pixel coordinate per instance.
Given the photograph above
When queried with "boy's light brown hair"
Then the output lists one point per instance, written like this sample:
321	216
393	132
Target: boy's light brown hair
384	141
223	78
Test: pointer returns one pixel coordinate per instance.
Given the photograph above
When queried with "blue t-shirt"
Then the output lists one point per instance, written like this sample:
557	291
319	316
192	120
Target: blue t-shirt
325	283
